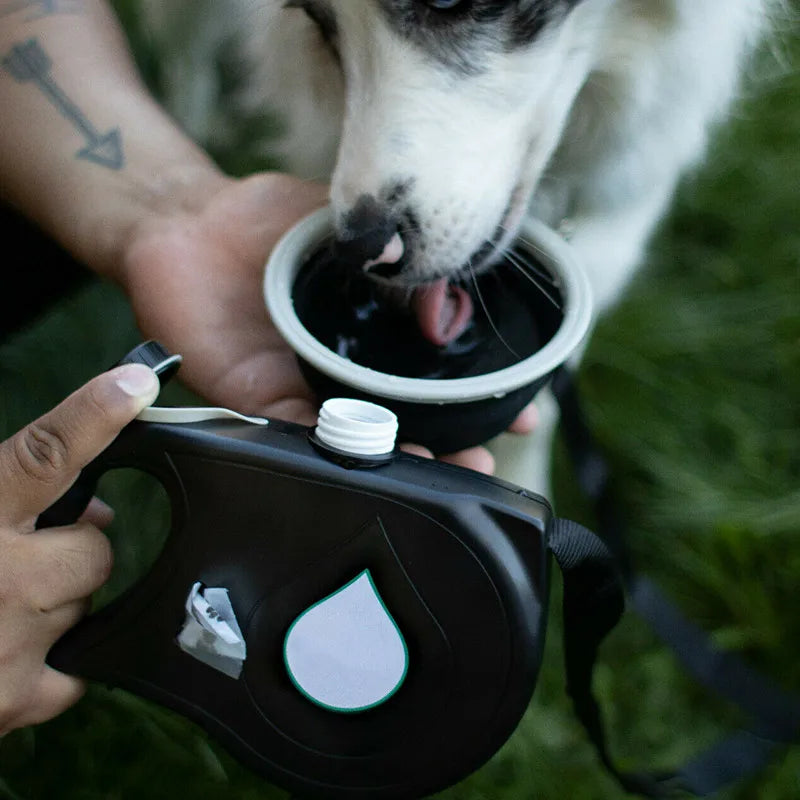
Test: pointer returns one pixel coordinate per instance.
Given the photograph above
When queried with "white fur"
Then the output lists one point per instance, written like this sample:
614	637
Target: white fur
589	129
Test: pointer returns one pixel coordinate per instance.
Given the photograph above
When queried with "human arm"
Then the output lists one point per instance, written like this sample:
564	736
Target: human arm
85	150
88	154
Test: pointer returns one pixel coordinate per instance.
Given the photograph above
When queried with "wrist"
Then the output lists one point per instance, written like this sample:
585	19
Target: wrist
150	200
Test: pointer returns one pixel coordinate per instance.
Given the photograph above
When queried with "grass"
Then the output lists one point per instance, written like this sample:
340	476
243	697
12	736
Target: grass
693	387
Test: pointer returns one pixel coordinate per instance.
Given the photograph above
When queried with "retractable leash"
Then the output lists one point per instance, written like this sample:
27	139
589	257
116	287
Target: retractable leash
348	620
774	713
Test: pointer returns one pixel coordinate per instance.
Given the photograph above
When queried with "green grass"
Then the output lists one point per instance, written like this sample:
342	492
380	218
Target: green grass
692	386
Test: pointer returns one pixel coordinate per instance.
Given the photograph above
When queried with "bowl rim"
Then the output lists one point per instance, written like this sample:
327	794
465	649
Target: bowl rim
299	242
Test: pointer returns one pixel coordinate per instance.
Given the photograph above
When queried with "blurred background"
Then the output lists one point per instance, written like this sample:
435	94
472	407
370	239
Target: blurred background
692	386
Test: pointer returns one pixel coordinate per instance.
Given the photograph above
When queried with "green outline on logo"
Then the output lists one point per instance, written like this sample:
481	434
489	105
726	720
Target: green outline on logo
358	709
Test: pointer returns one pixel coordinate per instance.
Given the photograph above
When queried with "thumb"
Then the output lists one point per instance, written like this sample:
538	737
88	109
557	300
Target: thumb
40	462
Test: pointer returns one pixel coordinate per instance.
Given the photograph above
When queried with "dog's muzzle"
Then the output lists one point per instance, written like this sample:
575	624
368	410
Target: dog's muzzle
368	239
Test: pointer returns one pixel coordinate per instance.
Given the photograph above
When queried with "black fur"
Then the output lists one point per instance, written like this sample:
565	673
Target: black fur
460	37
463	36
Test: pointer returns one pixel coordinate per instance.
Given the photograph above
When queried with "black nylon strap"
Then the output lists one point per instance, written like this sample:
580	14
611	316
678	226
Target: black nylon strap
775	714
594	599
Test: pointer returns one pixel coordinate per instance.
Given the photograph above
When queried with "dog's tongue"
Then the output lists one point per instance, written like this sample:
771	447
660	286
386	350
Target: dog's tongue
443	311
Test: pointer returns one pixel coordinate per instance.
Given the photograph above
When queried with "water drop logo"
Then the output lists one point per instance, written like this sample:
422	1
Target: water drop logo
346	653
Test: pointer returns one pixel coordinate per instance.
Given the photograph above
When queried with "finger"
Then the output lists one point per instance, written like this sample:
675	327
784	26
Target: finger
299	197
294	197
61	565
43	459
526	421
477	458
45	628
416	450
54	694
258	379
98	513
294	409
66	616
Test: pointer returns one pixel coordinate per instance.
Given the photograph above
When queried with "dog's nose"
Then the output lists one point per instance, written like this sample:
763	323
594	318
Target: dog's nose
364	235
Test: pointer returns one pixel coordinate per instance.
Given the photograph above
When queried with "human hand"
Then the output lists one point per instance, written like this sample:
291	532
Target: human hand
194	277
47	576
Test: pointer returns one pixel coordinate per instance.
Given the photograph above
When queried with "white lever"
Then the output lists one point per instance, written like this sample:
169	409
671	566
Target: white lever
182	415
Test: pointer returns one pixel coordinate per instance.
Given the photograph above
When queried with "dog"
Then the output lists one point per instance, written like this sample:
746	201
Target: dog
440	124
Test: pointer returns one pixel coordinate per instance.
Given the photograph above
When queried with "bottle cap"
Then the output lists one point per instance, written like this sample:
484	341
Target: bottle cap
356	426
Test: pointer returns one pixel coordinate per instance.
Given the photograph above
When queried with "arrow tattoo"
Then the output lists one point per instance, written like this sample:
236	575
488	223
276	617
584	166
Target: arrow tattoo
27	61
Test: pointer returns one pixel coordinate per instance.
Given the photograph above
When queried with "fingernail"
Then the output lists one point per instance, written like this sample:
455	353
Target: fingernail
101	505
137	380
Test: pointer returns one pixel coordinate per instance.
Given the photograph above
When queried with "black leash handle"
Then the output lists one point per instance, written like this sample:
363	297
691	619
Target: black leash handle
775	713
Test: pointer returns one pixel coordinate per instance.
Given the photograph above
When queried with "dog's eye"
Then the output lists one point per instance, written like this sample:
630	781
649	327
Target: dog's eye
443	5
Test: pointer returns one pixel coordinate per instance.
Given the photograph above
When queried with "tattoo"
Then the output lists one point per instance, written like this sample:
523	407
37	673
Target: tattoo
40	8
27	61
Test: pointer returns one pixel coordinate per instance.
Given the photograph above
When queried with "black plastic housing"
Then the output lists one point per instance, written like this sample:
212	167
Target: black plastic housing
460	560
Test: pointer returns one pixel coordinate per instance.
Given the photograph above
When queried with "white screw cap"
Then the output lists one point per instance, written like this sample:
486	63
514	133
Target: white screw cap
357	427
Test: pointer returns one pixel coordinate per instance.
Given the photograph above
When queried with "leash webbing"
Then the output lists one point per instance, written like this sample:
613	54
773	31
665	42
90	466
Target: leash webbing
774	713
594	600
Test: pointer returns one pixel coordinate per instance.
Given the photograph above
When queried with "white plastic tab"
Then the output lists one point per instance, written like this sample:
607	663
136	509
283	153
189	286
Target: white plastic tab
356	426
346	653
181	415
210	631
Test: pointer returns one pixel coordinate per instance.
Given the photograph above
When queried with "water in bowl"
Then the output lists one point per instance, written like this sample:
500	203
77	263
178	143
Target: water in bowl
516	311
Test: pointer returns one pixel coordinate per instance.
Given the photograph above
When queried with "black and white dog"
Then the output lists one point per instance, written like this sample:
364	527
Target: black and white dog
441	123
